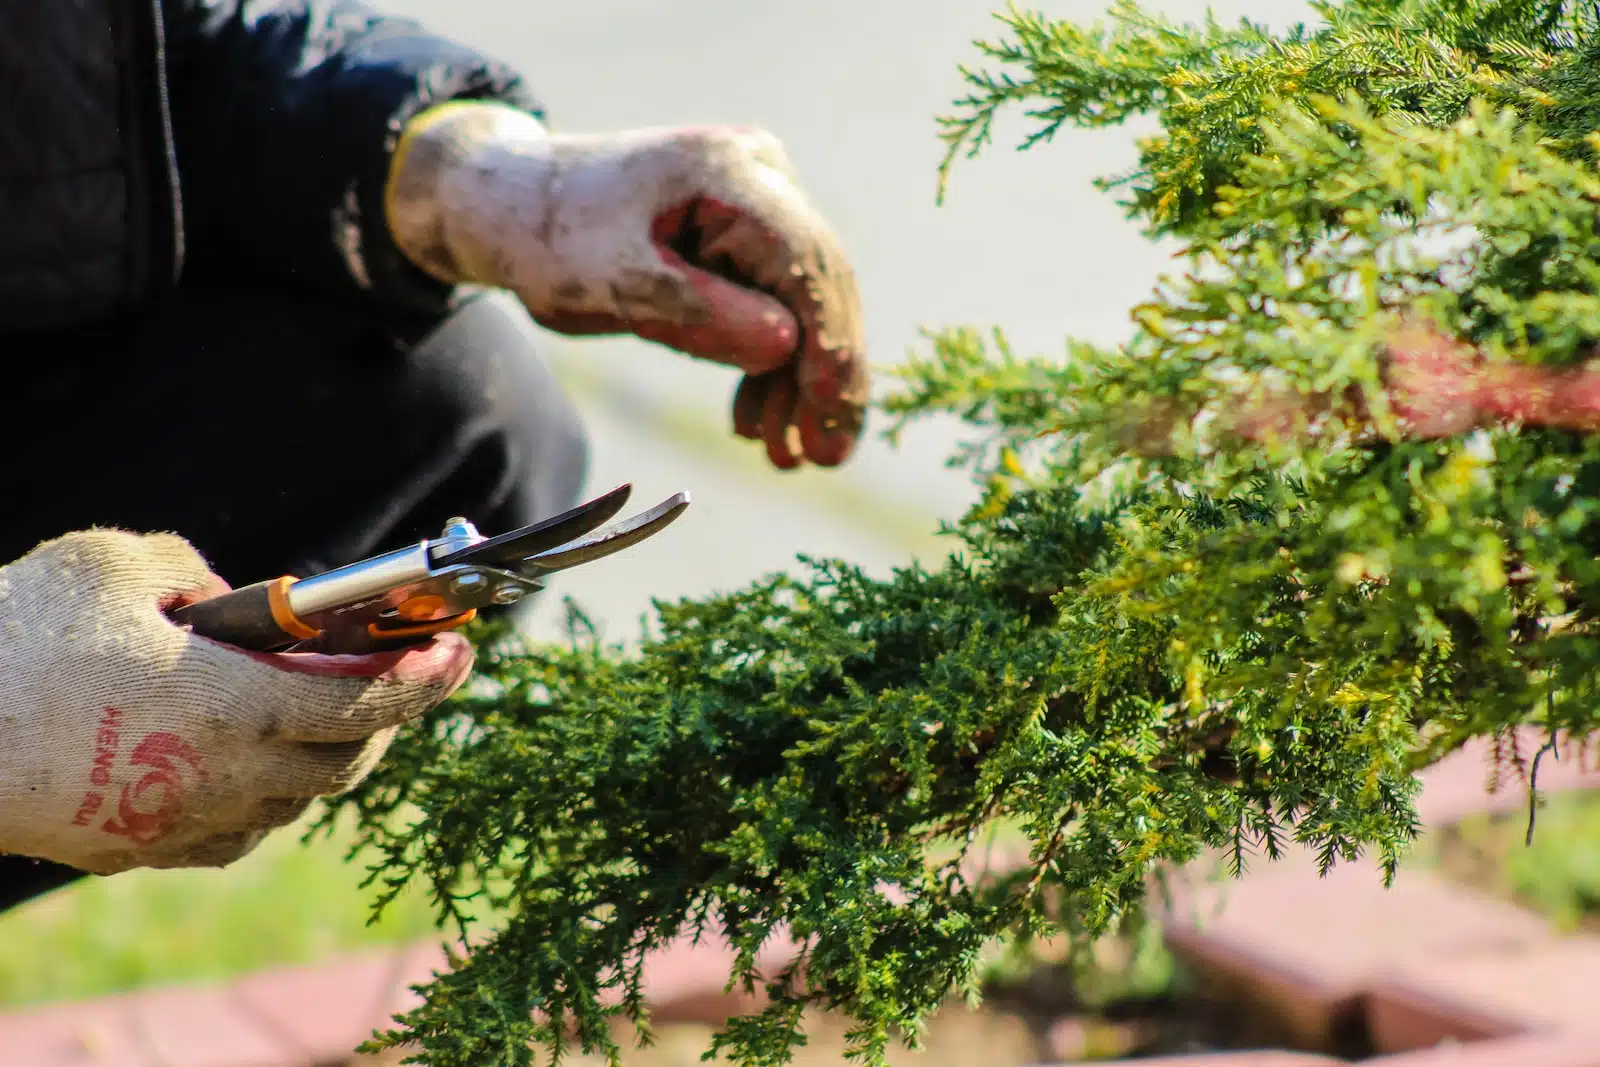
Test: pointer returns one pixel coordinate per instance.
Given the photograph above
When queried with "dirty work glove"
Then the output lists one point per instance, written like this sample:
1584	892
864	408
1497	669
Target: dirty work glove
699	239
126	741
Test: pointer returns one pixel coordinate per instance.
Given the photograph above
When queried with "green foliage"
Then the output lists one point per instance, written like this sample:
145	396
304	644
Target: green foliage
1418	61
1134	658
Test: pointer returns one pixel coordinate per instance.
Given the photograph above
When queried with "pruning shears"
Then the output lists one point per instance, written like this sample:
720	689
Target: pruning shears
405	596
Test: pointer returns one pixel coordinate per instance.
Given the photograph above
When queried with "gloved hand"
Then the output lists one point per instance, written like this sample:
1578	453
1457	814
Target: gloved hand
699	239
126	741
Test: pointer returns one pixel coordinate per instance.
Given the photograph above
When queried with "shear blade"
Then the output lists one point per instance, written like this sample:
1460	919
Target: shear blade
614	538
510	549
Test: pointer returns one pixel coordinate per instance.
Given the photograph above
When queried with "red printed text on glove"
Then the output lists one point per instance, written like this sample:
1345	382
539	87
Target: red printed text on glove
148	807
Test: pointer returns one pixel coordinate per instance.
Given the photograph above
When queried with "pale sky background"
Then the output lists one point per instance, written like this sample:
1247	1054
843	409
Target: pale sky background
852	87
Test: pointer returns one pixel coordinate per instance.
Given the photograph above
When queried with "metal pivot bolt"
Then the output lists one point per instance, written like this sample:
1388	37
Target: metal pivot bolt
467	583
458	534
506	595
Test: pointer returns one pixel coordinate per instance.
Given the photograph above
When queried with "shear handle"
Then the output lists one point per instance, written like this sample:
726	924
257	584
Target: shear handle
255	617
377	637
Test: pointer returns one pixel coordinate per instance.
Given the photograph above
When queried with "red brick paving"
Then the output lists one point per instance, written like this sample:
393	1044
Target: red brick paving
1423	962
1415	965
1308	948
1269	1058
414	965
322	1012
91	1034
1458	785
1542	988
1536	1050
206	1028
1407	1016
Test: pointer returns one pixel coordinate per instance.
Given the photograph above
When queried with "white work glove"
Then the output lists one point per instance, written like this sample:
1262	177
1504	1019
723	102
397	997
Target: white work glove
699	239
127	741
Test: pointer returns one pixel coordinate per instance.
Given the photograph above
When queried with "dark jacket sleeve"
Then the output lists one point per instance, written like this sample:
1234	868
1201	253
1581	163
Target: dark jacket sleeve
285	114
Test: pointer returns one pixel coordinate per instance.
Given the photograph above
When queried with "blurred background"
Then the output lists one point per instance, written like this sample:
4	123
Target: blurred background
1023	242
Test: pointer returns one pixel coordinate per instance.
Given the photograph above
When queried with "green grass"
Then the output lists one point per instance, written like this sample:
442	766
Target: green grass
284	904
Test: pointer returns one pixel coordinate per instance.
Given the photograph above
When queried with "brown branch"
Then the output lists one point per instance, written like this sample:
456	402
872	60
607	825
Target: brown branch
1436	387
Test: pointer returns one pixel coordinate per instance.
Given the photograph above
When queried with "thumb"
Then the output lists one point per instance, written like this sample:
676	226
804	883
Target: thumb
693	298
742	326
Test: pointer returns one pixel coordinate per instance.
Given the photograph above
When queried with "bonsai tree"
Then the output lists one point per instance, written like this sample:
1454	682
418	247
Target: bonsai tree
1330	513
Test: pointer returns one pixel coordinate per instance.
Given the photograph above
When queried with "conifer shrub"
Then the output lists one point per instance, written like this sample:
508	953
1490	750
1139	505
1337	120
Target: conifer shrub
1330	513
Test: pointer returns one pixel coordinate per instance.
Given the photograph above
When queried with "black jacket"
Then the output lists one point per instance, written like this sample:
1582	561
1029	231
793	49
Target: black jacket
146	142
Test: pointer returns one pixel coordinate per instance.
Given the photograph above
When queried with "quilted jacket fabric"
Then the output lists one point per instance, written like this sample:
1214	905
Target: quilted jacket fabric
151	143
